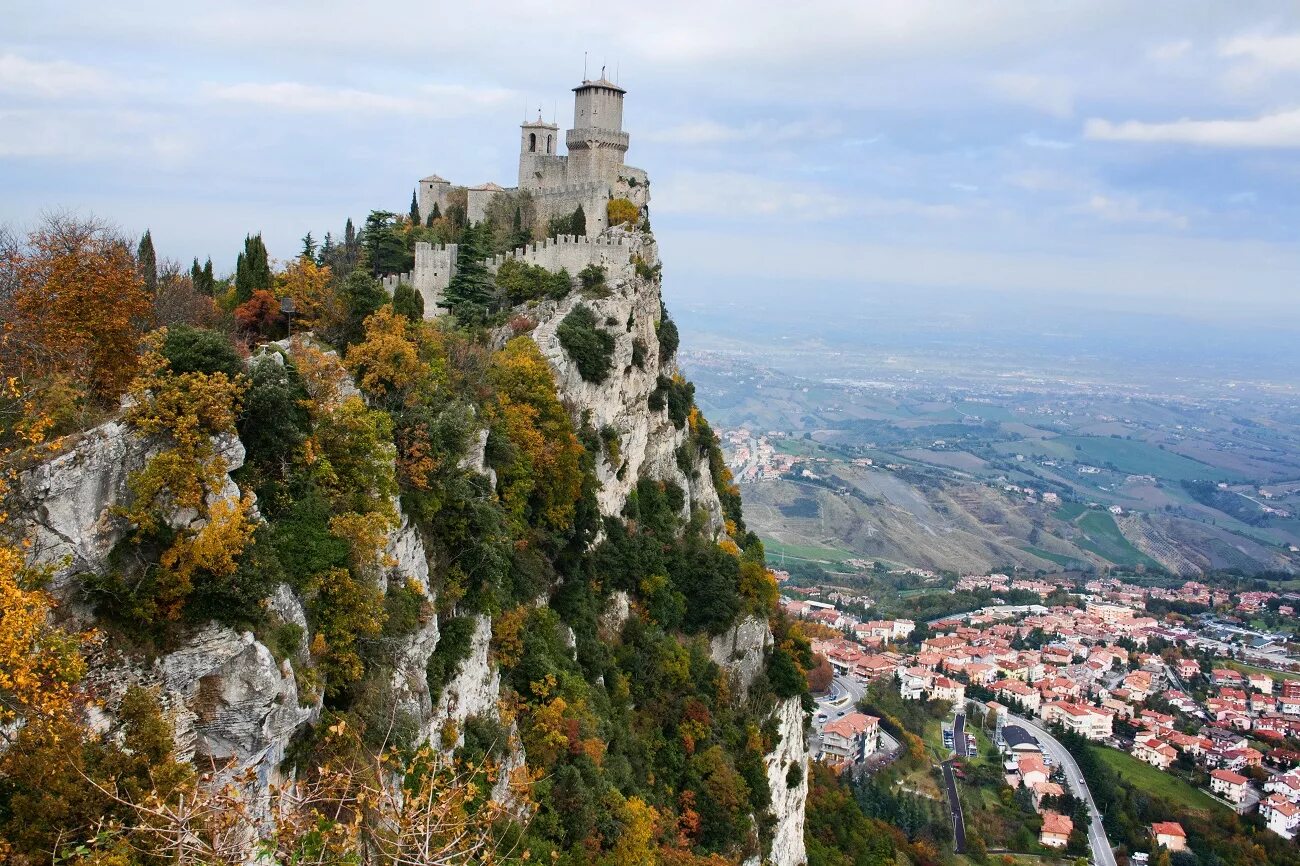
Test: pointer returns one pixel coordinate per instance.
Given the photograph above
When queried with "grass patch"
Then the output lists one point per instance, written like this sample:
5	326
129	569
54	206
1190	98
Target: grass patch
1104	539
1060	559
811	552
1148	778
1278	676
1069	511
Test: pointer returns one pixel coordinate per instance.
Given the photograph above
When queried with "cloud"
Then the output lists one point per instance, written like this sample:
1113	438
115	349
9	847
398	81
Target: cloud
707	132
1126	209
93	135
1280	129
55	79
432	99
1270	53
1168	52
1049	95
1033	139
739	195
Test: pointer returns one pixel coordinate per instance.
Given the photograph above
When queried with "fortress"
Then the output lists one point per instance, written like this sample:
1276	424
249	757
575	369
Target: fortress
592	173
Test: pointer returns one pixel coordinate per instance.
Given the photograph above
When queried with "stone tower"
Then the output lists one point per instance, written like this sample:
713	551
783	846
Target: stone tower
597	142
538	163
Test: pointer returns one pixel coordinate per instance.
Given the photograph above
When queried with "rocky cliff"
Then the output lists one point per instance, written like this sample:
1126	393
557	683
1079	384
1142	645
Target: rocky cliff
232	700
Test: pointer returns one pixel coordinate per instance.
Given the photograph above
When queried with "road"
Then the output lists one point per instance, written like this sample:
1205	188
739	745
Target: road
959	734
954	809
1102	853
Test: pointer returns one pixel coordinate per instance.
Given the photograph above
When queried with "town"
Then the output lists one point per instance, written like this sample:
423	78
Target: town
1170	683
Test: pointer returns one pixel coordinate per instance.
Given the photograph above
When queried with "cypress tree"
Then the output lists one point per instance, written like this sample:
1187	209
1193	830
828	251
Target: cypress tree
252	269
407	302
147	262
196	275
579	224
469	295
209	281
361	294
415	210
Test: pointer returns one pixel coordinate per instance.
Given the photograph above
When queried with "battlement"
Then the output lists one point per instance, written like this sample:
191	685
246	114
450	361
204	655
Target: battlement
576	139
574	189
567	249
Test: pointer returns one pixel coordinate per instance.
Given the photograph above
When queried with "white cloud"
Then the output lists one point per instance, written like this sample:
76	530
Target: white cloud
1168	52
739	195
55	79
93	135
1280	129
431	99
706	132
1274	53
1033	139
1047	94
1126	209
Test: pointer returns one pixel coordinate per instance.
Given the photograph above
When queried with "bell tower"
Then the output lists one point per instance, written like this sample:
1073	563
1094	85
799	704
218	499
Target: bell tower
538	141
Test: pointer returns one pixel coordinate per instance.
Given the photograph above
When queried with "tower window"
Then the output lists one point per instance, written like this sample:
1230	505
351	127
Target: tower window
532	142
549	146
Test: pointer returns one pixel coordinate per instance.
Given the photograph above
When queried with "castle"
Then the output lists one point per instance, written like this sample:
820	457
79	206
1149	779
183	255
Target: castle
592	173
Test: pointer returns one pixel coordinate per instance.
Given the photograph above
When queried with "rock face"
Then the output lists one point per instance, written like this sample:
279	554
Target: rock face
742	651
631	312
788	801
473	691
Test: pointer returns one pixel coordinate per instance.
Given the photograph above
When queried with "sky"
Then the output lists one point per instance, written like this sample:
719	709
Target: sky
1105	156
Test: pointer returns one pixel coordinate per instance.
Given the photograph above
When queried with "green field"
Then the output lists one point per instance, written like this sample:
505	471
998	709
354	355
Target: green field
1278	676
1148	778
1059	558
1069	511
1126	455
811	552
1105	540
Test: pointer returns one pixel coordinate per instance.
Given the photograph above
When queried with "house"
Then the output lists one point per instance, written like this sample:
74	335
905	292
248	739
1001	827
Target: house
944	689
1169	834
1015	690
1261	683
1089	722
1154	752
851	738
1281	815
1044	789
1187	668
1229	785
1056	830
1032	770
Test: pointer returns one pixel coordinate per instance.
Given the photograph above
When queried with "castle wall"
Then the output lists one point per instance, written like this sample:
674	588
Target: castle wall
571	252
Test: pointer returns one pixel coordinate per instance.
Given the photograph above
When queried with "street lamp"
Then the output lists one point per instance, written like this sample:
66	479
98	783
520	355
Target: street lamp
288	308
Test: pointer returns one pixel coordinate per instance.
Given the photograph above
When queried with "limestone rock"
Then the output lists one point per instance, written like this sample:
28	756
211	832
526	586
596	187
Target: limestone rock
742	651
788	803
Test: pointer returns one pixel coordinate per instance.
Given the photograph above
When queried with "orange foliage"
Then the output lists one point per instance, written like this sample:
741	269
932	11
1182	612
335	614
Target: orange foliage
77	308
316	306
259	313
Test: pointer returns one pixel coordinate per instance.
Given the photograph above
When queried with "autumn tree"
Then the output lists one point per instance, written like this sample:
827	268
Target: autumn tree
317	306
259	314
75	309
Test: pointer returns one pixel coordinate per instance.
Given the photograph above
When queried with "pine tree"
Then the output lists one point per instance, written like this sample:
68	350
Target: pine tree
408	302
469	295
433	215
308	247
147	261
209	281
415	210
361	294
252	269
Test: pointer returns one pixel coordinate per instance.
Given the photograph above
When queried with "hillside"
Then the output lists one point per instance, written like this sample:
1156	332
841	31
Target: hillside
465	588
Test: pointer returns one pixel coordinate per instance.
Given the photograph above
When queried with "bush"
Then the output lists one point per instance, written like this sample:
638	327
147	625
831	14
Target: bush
593	281
455	637
591	349
523	282
669	339
609	438
408	302
638	353
676	395
198	350
621	210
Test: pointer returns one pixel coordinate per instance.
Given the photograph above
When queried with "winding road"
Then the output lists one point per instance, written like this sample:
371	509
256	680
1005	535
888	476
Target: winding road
1102	853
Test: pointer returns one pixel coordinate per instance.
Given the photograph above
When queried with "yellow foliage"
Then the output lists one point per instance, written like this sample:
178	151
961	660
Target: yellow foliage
215	549
507	636
366	534
386	362
316	304
40	665
322	373
729	546
635	845
621	210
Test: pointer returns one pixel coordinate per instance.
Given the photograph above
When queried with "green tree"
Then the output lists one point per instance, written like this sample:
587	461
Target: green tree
361	294
383	244
198	350
471	292
209	280
578	222
415	209
252	269
308	247
147	261
408	302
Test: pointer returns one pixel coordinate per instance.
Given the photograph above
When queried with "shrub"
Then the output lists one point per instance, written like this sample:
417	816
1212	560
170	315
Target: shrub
669	339
644	270
593	281
621	210
591	349
522	282
455	639
609	438
199	350
638	353
408	302
677	395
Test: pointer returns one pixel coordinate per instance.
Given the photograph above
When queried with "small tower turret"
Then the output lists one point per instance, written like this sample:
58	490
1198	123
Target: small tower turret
538	141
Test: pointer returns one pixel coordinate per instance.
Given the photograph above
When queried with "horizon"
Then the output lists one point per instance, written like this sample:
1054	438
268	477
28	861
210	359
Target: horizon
1125	162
